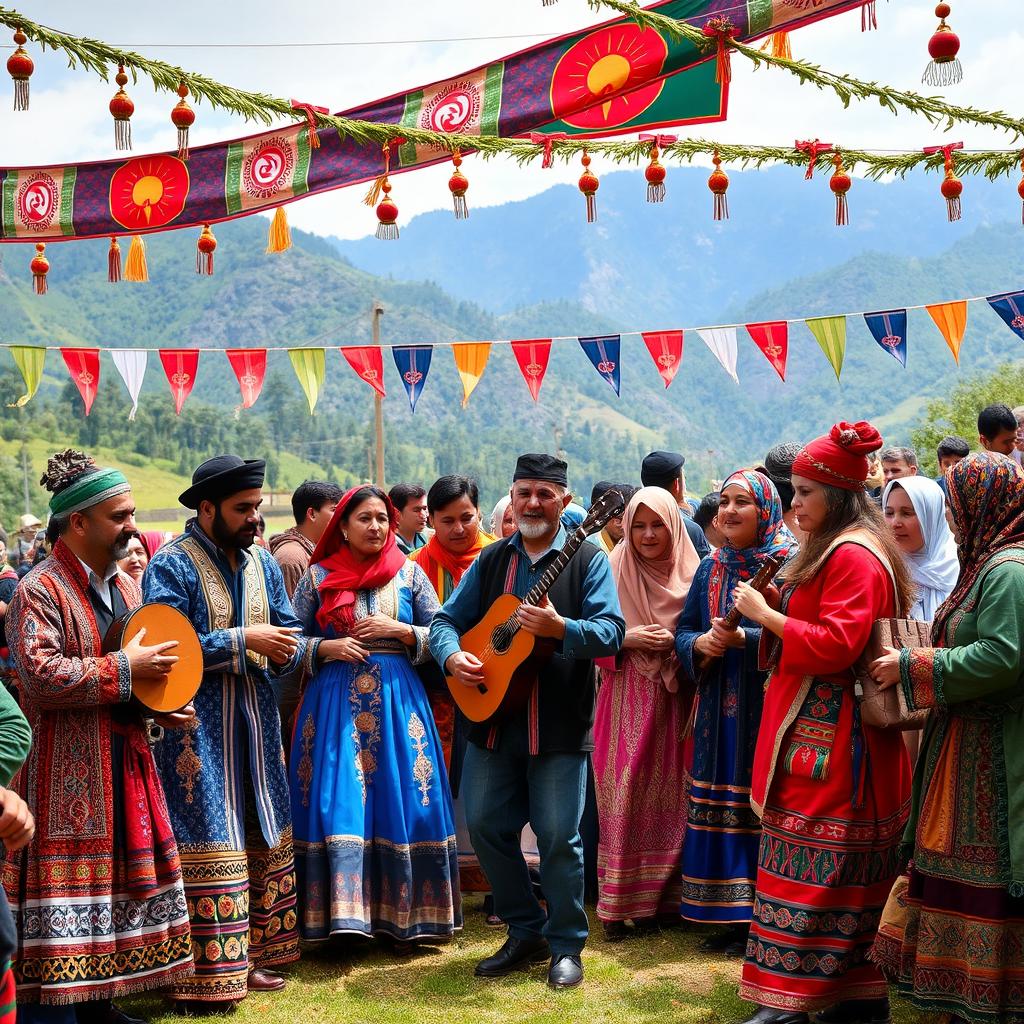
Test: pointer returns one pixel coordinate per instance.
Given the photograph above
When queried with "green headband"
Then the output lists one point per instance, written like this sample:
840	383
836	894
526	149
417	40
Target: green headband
89	490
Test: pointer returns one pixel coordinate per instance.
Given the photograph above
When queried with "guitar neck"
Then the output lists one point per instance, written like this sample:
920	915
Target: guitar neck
761	579
536	593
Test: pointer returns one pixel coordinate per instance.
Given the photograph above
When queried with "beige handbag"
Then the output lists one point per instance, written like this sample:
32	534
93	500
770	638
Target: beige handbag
883	708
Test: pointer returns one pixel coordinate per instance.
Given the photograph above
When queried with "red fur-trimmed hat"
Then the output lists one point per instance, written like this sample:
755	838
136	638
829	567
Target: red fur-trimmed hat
840	458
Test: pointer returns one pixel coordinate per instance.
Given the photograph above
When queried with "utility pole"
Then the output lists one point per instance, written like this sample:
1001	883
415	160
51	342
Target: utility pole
24	476
378	402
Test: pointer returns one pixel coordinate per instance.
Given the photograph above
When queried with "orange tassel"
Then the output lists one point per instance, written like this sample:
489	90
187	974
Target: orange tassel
135	268
279	238
777	44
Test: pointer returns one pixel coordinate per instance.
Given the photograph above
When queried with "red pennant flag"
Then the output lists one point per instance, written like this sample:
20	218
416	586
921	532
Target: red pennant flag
532	357
180	365
84	366
772	338
250	366
666	348
368	362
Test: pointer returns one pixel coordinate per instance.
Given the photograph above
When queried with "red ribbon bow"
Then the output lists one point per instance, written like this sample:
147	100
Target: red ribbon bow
722	30
539	139
946	151
661	141
309	110
812	149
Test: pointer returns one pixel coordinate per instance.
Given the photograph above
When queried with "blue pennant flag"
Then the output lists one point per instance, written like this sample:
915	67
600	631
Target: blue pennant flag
889	329
1010	307
603	352
413	364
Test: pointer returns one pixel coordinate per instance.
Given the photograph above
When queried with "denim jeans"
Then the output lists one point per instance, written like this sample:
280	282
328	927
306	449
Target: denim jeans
504	789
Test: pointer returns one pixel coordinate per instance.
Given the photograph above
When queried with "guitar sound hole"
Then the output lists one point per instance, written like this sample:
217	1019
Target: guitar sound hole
501	639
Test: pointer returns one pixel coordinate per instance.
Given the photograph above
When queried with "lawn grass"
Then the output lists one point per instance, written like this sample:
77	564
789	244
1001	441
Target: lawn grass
640	981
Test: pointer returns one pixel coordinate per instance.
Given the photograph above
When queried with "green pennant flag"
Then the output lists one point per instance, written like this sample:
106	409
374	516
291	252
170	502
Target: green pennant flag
29	359
830	333
310	366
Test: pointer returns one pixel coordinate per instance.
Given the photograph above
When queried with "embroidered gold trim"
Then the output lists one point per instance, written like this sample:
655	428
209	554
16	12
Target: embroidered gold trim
187	764
422	769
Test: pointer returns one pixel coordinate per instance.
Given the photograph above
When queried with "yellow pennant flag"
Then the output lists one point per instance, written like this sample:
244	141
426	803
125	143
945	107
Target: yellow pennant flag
310	366
830	334
951	320
29	359
470	361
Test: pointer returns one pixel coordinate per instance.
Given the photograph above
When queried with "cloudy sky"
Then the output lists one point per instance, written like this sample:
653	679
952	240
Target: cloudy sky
69	121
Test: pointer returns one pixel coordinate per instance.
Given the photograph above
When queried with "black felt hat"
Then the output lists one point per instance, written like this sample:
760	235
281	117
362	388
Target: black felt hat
659	467
221	476
541	467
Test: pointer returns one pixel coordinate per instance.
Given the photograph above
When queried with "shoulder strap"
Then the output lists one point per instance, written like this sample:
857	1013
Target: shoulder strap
864	539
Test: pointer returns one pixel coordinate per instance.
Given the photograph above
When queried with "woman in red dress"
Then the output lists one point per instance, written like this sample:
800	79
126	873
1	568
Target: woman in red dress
832	793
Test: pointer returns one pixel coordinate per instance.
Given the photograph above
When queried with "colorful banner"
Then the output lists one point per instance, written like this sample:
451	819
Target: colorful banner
951	320
310	366
532	357
38	201
29	359
180	365
830	334
413	362
889	329
131	365
368	362
722	342
772	338
250	366
1010	307
603	352
84	366
470	360
666	348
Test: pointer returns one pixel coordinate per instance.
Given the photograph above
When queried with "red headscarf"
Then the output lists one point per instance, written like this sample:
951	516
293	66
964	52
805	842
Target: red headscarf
346	575
840	458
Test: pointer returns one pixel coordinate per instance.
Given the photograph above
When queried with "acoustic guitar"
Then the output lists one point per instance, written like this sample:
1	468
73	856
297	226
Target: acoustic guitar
161	623
503	646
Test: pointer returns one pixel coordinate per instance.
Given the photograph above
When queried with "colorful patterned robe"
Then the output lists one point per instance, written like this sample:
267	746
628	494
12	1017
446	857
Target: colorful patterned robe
98	893
225	778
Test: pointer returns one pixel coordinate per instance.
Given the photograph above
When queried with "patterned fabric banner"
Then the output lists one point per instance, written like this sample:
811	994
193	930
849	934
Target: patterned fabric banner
1010	307
722	342
84	366
368	362
38	201
772	338
830	334
666	348
250	366
951	320
413	364
310	366
29	359
131	365
180	365
470	360
603	352
532	357
889	329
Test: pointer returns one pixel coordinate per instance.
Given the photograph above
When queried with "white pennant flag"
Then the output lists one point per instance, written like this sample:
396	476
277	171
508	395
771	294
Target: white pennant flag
131	364
722	342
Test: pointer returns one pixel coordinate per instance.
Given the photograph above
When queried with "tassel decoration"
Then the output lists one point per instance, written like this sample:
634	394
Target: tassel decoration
813	150
777	44
869	16
114	261
589	185
458	184
721	30
718	182
655	172
943	69
122	108
40	267
279	239
204	251
952	188
20	68
182	117
135	268
840	183
380	196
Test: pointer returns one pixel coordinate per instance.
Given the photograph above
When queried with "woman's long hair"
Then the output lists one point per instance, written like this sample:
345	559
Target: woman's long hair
850	510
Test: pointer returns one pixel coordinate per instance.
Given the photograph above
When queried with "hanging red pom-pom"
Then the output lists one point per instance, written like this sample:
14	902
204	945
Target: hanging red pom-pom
20	68
654	172
182	117
40	267
122	108
840	183
387	214
205	247
944	68
952	188
458	184
718	182
114	261
588	186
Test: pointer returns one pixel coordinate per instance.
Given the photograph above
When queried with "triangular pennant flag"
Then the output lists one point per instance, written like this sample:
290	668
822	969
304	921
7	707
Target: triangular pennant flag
413	363
131	364
368	362
532	357
310	367
666	348
603	352
29	359
84	366
889	329
180	365
722	341
470	360
772	338
250	366
951	320
1010	307
830	334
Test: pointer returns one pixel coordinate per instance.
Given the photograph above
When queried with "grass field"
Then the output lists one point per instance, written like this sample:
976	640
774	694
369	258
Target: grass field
665	978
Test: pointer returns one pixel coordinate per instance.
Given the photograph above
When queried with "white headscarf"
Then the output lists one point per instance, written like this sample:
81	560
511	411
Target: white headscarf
935	567
498	514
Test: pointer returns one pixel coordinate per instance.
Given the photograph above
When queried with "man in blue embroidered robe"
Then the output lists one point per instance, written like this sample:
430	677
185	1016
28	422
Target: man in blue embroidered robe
225	778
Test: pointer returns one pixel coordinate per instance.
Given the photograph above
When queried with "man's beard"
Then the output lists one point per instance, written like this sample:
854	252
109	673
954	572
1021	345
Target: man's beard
226	539
120	548
533	527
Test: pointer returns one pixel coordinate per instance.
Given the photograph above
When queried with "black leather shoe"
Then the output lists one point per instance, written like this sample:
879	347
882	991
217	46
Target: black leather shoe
769	1015
104	1012
514	955
566	971
857	1011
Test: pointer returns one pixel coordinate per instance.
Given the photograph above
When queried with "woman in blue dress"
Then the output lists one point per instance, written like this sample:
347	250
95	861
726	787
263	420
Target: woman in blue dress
722	832
375	849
